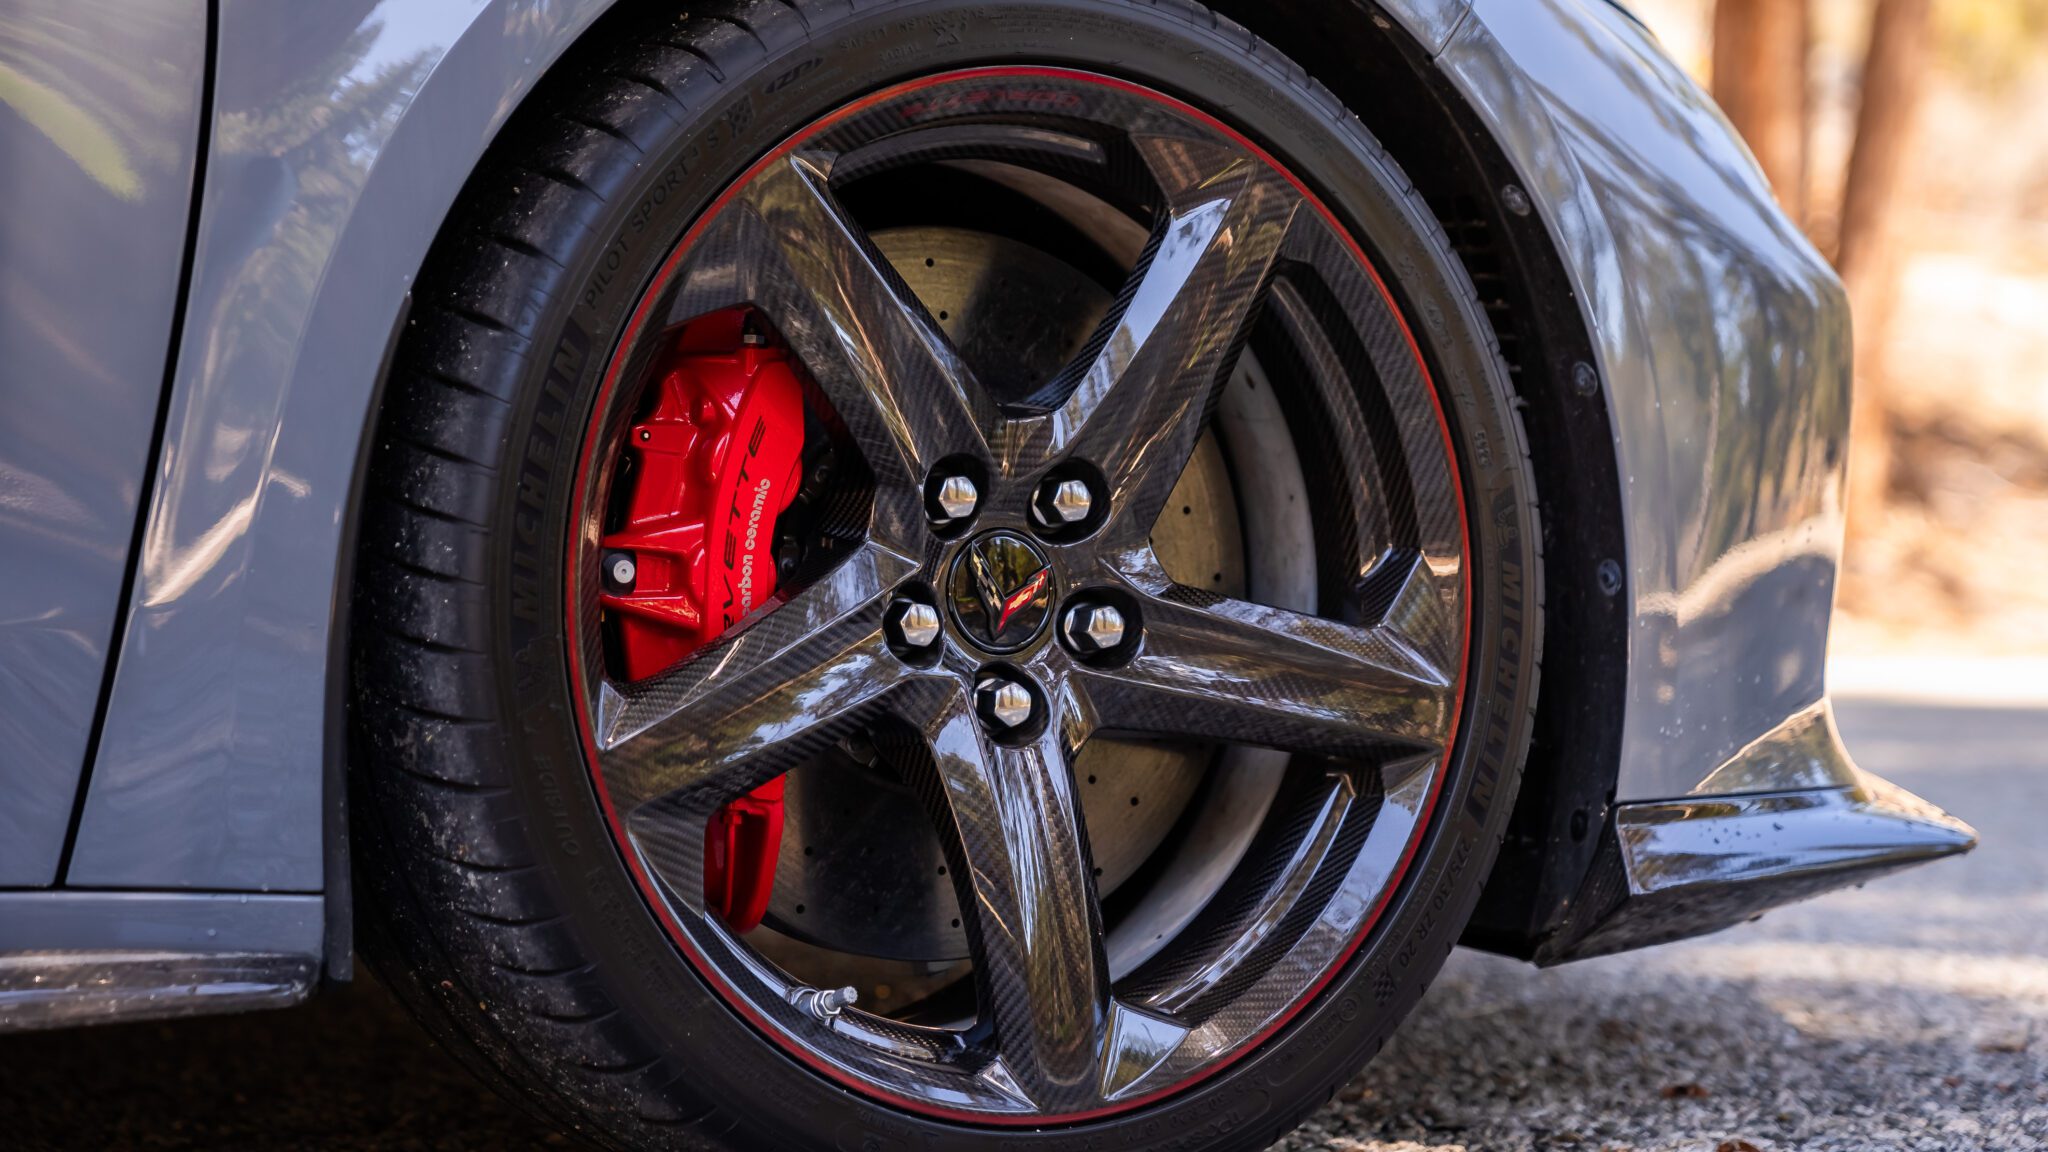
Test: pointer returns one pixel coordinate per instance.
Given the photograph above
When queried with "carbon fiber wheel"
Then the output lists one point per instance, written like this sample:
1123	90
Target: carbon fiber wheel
983	592
1363	694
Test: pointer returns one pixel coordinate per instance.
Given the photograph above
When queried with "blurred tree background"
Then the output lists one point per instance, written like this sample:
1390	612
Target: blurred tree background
1909	138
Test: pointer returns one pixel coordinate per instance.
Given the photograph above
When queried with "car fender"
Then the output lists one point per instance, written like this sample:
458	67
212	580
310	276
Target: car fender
342	135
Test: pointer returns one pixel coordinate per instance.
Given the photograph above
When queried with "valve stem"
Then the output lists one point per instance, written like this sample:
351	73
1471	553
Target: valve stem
824	1003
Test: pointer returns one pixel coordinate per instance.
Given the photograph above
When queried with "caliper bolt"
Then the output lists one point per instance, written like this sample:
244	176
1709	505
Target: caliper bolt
913	624
621	569
1062	502
1094	628
1003	703
956	497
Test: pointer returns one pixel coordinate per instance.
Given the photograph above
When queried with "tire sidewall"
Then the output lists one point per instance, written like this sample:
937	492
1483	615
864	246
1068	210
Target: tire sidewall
762	1097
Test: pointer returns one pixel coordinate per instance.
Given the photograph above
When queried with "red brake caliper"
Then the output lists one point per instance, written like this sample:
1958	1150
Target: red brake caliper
714	462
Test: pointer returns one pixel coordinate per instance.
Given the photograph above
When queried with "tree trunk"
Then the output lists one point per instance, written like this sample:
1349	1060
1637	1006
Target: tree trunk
1892	76
1760	82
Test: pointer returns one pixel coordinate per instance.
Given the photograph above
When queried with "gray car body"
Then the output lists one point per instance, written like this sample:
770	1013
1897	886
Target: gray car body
195	587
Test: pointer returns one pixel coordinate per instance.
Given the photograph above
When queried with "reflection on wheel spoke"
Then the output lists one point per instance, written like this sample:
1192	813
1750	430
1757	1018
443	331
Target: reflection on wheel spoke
1030	899
1136	403
764	686
1246	673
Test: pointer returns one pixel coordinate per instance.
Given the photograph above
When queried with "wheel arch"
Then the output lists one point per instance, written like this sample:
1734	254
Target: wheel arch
1569	781
1451	152
1568	785
515	92
245	548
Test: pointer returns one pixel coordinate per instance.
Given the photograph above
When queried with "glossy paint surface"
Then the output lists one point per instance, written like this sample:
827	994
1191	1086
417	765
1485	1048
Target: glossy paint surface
1431	22
1723	343
342	133
99	125
159	922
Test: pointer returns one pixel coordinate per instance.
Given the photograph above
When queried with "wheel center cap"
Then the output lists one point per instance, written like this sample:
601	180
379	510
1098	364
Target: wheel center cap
1000	590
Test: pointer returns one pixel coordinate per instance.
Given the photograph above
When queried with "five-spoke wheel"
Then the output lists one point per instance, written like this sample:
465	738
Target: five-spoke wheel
980	594
940	575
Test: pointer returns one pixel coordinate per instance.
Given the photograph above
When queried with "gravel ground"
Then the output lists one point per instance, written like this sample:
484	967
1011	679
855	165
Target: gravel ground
1908	1014
1911	1014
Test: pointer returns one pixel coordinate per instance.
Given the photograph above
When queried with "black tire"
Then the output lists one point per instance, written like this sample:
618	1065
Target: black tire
495	903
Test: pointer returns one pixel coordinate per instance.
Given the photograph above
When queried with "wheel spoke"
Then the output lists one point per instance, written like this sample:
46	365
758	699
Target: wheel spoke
1245	673
759	696
1136	406
1030	898
895	379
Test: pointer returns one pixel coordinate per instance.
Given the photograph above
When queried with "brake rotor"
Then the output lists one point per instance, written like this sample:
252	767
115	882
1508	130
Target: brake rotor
861	869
